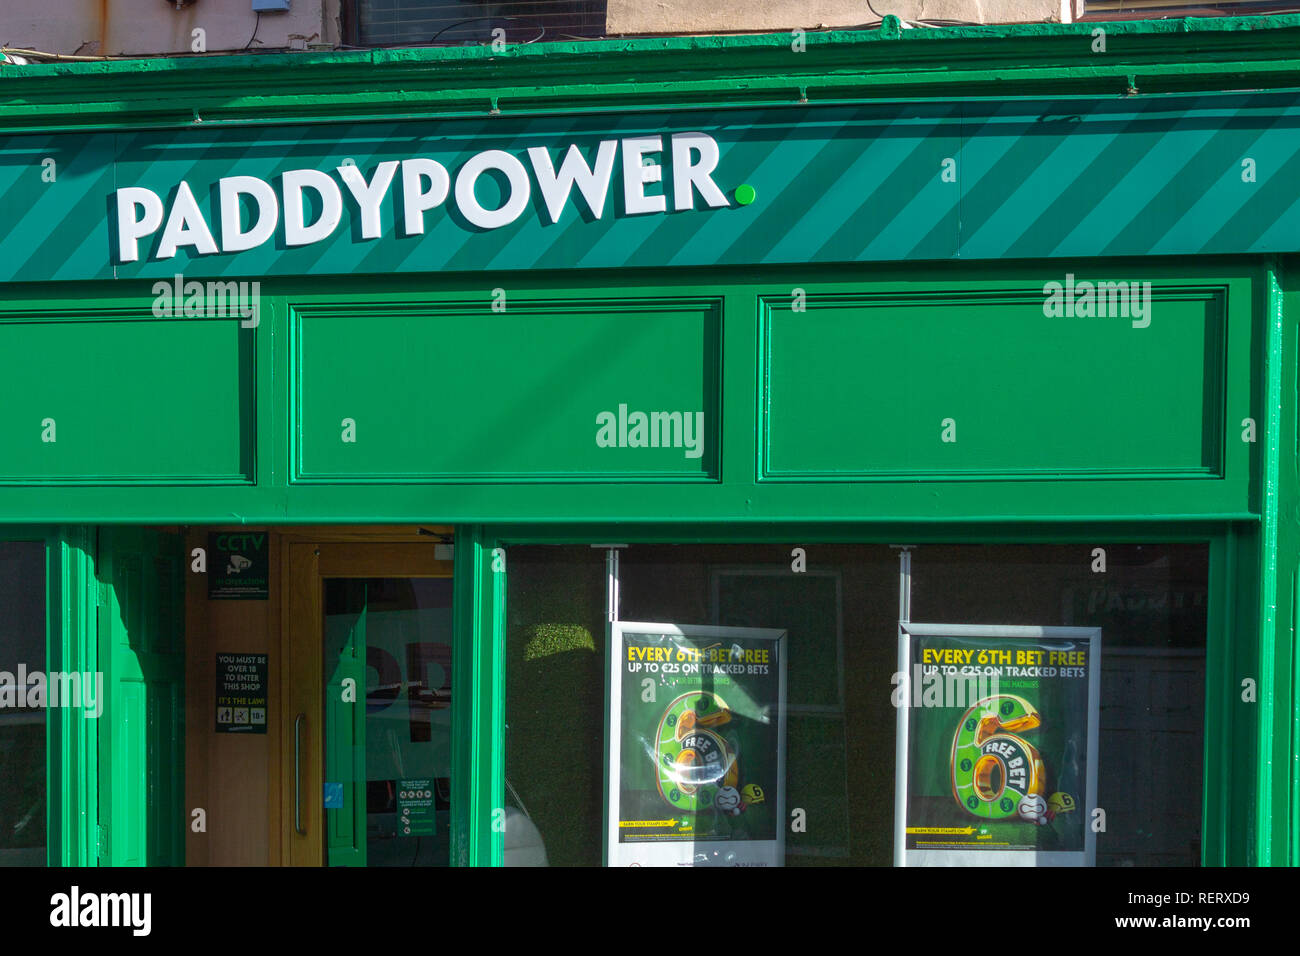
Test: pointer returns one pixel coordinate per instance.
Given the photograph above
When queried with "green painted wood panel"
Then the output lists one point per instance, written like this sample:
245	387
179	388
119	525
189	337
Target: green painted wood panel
981	385
404	372
105	395
462	391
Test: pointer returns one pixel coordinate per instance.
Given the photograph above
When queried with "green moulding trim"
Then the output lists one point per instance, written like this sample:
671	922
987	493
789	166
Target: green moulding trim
1002	60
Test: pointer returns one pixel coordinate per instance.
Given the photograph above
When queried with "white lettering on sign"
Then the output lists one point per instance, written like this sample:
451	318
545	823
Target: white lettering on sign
425	185
268	212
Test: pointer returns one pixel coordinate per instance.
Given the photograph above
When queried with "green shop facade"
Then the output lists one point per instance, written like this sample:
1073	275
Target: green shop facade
354	401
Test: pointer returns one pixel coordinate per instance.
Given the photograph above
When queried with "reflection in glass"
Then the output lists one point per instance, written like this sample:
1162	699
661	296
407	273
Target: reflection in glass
841	615
22	727
387	647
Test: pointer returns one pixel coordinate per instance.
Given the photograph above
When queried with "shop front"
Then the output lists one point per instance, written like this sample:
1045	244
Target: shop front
624	452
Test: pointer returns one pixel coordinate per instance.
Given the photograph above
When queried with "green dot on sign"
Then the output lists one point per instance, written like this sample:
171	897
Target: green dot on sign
745	194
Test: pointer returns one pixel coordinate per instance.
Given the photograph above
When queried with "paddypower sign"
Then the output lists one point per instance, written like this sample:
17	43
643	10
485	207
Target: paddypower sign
423	185
1027	179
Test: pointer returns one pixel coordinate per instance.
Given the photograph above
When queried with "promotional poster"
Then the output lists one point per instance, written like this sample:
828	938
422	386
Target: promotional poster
696	746
999	727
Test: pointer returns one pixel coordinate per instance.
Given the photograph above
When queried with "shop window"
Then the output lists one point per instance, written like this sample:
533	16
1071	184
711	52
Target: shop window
555	702
22	718
839	617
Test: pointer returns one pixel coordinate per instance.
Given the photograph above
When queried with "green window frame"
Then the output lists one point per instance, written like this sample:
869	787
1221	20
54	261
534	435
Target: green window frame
71	741
77	748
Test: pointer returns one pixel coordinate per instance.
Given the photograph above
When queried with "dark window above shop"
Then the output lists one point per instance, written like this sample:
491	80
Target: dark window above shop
1169	9
452	22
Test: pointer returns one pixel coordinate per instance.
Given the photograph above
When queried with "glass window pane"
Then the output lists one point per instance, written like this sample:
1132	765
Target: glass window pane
555	706
840	615
22	721
387	646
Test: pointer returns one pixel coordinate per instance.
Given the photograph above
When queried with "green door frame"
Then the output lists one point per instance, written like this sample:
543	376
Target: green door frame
343	739
73	758
478	709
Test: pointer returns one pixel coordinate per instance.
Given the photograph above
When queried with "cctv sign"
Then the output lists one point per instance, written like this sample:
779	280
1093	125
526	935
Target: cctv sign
237	564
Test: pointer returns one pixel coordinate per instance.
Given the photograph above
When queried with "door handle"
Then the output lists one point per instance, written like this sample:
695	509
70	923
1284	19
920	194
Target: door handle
297	775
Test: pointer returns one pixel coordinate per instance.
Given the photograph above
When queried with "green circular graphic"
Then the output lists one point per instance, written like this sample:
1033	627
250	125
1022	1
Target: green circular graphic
992	768
745	194
695	760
